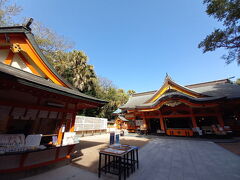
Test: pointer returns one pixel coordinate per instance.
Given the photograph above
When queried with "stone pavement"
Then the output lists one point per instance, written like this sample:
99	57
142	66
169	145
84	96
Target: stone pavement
167	159
174	159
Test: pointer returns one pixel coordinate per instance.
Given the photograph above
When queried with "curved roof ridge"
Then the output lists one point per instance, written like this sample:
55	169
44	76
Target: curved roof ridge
168	81
184	87
208	83
181	96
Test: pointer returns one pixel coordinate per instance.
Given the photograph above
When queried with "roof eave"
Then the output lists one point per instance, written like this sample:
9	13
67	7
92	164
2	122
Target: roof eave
34	81
30	37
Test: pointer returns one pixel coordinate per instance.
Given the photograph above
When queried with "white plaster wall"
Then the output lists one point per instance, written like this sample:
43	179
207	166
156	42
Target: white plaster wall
18	63
30	61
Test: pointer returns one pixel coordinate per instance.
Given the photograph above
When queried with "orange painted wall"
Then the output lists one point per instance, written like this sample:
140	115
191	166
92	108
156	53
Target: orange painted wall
27	48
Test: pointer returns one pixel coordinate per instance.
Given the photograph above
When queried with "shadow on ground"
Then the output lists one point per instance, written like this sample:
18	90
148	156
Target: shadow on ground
33	171
87	144
90	150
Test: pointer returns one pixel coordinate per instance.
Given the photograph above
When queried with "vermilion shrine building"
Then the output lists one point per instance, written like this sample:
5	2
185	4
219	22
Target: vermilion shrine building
34	99
184	110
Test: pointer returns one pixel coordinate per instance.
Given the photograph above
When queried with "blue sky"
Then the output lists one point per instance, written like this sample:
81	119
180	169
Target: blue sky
135	43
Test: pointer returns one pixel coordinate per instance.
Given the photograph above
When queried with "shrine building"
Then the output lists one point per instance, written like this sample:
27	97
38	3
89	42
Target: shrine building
37	106
209	108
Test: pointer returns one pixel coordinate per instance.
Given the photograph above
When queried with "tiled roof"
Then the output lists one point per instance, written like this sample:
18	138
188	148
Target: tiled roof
219	90
28	79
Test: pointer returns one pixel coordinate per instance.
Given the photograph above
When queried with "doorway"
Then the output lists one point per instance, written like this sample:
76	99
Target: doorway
178	123
154	125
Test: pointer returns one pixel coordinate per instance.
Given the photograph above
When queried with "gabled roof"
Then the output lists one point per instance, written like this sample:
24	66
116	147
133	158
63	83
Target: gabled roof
118	111
181	96
30	38
19	43
123	118
170	84
136	99
206	92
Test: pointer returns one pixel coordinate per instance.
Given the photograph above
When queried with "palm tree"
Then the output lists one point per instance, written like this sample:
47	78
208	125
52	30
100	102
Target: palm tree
73	66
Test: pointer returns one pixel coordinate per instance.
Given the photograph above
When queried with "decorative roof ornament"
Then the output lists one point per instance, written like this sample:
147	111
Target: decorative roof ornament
173	103
168	77
29	23
15	47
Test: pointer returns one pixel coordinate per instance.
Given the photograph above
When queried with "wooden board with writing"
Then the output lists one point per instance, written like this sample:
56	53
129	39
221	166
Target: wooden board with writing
43	114
53	115
31	114
18	112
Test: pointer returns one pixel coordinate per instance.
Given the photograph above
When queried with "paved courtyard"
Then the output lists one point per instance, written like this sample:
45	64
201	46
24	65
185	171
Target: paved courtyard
168	159
187	160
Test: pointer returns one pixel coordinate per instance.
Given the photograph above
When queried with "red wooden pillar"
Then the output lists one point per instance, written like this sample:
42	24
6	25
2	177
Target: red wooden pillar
72	122
194	122
144	122
162	122
219	117
220	120
60	135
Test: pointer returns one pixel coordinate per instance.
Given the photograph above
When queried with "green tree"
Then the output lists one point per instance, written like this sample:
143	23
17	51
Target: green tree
73	66
228	12
8	11
131	92
115	97
105	83
238	81
48	40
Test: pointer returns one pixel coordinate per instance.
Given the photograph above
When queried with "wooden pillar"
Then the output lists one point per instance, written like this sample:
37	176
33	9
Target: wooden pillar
36	124
60	134
144	122
68	121
72	122
73	119
220	120
219	116
162	122
134	119
62	127
194	122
